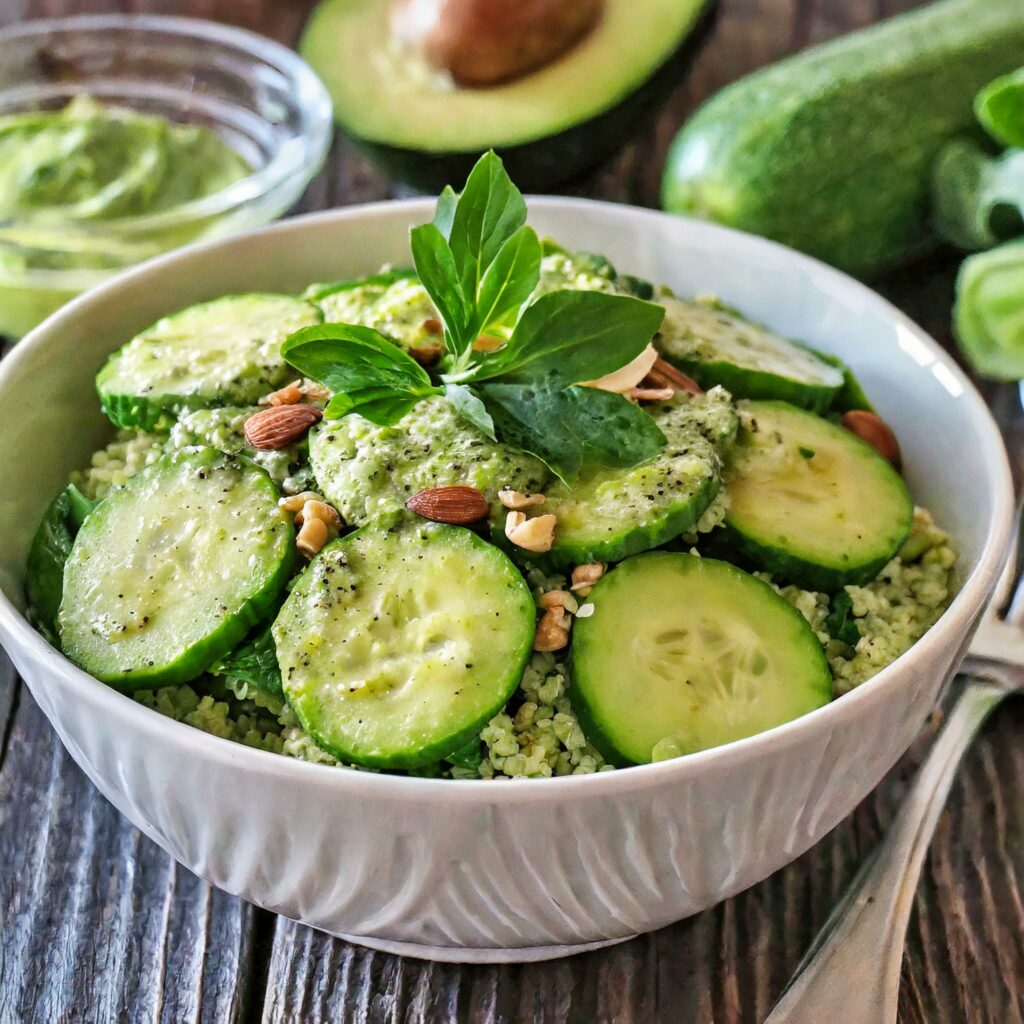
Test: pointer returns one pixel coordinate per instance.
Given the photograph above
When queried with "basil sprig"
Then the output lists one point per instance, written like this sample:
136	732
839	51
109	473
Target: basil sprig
480	264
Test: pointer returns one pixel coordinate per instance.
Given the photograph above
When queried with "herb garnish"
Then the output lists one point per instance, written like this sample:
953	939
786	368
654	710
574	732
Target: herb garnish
480	264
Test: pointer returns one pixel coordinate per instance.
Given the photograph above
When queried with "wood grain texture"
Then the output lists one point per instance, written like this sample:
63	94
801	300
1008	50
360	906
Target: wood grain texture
98	925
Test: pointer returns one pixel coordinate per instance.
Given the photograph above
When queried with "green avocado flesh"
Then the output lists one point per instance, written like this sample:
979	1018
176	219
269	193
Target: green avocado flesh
397	646
389	99
171	570
683	653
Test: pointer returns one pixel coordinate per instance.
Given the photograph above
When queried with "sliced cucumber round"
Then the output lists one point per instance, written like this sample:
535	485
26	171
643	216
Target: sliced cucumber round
393	302
613	513
170	571
224	352
683	653
716	345
397	645
363	469
811	502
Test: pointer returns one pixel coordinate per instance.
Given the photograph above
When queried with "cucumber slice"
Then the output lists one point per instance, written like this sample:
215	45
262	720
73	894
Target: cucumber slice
811	502
683	653
614	513
362	468
374	284
397	646
716	345
393	302
171	571
224	352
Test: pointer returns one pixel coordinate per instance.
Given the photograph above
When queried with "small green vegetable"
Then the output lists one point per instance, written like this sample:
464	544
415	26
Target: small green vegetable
979	198
51	546
254	662
840	623
988	317
1000	108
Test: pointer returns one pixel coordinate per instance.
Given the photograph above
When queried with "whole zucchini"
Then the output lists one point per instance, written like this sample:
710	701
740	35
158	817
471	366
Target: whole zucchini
831	151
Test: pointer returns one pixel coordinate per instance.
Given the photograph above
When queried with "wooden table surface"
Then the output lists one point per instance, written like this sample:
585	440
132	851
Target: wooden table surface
97	924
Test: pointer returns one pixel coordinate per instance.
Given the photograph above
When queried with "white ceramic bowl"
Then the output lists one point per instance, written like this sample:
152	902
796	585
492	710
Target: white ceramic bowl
480	870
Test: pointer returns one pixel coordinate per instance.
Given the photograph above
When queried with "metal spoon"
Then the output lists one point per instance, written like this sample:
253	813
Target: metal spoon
851	973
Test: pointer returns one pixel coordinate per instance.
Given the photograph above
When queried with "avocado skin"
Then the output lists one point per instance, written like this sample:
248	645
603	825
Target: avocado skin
831	151
543	163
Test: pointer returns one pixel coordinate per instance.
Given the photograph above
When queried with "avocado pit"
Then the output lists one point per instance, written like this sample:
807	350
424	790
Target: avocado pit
481	43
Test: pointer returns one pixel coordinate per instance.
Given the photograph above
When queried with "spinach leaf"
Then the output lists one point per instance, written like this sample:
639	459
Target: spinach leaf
367	373
508	282
469	757
438	274
489	211
1000	108
840	623
572	428
51	546
566	337
254	662
469	406
979	199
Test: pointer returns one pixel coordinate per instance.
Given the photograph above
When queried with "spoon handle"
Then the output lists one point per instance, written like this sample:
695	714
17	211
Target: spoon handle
851	973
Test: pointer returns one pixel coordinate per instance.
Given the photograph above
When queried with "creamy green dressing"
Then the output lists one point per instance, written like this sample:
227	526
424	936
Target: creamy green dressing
93	162
67	175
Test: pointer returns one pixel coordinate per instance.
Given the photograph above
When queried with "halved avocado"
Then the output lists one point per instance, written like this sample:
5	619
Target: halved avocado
548	126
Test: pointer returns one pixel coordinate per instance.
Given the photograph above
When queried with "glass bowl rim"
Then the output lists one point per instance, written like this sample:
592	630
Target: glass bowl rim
306	149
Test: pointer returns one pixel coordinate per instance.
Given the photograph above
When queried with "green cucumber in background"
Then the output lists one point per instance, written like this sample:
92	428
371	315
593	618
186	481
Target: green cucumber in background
831	151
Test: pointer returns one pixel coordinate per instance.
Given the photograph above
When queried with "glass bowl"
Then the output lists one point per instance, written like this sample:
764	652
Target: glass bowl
258	95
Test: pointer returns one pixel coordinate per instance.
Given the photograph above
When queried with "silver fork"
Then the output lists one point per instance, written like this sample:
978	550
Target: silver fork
851	973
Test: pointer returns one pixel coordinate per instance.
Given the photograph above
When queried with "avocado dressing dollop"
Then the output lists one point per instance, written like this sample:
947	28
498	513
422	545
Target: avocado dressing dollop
72	182
90	161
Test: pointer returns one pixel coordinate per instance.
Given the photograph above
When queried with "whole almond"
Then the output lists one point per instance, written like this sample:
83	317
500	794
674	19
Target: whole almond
280	425
457	504
427	353
873	429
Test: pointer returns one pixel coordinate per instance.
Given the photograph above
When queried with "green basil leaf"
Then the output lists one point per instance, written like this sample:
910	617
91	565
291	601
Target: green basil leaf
979	199
489	211
840	623
572	428
508	282
570	336
438	274
367	373
44	584
1000	109
445	212
469	406
254	661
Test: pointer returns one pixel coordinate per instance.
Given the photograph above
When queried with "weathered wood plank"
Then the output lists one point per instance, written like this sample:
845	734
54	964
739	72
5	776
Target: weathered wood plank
98	923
